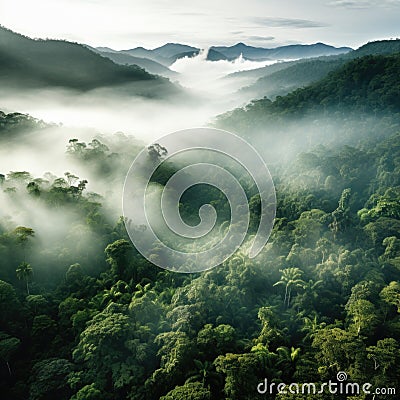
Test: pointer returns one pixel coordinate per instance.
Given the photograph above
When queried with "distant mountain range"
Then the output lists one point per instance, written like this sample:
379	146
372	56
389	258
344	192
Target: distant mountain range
37	63
381	47
124	58
283	77
28	63
167	54
280	53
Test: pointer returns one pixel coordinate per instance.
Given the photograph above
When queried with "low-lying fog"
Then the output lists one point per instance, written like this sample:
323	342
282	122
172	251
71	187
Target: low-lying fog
102	112
109	110
206	76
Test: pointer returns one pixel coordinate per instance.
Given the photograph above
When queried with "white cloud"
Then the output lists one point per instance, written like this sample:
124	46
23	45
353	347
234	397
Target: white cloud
150	23
364	4
350	4
201	74
287	22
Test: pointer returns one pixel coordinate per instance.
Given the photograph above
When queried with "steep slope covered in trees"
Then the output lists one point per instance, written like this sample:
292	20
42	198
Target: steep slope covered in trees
26	63
366	85
291	77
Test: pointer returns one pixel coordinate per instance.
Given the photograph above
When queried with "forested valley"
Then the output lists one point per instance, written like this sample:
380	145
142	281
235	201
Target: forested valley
83	316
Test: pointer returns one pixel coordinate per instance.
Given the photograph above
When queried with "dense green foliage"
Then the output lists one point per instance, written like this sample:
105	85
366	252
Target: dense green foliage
83	316
292	77
368	85
322	297
380	47
17	123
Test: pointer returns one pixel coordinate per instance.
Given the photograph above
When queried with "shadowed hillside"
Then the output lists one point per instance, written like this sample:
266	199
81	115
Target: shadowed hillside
369	85
50	63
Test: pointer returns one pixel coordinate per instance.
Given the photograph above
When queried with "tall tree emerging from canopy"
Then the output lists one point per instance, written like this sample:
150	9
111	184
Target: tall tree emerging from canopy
291	279
24	272
23	234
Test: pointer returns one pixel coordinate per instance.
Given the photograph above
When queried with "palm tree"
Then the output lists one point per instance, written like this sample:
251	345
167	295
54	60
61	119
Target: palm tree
309	297
141	290
291	278
312	326
118	290
24	272
205	373
287	358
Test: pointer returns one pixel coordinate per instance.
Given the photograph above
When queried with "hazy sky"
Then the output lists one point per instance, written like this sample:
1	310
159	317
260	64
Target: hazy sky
123	24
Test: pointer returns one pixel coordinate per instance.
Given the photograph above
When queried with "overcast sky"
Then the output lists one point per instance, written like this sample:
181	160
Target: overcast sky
123	24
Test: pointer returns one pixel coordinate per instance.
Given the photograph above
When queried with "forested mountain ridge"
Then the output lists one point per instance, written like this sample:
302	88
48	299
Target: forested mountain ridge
291	77
368	84
28	63
379	47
